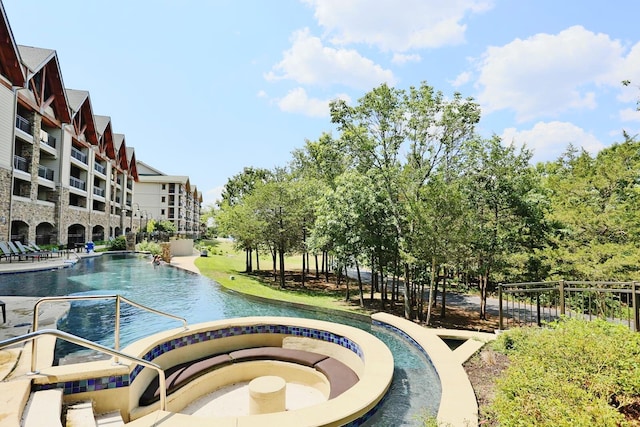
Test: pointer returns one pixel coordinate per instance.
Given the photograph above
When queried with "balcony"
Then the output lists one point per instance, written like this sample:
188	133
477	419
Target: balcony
98	191
77	183
20	163
78	155
48	139
45	172
98	167
23	124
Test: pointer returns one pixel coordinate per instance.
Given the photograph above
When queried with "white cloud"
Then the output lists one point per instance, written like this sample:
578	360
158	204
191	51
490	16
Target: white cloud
630	115
400	58
309	62
461	79
297	101
548	140
546	74
630	70
261	94
393	26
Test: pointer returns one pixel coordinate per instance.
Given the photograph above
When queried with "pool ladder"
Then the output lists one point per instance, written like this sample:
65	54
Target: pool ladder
118	298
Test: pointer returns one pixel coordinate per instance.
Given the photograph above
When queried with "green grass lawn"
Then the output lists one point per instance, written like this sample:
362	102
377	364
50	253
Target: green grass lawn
225	265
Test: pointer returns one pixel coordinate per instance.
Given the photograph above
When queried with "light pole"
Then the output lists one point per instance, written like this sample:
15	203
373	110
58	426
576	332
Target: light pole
146	216
137	211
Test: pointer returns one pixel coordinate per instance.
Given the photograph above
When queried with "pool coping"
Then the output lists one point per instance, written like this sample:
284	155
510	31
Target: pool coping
458	404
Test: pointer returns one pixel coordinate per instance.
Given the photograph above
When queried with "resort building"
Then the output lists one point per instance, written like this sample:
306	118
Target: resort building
168	197
65	176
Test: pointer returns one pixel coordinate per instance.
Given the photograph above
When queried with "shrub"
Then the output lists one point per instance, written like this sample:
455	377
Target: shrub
152	247
574	373
118	244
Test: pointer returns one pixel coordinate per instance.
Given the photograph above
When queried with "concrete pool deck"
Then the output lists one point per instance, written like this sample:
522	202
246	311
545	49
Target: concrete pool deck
458	404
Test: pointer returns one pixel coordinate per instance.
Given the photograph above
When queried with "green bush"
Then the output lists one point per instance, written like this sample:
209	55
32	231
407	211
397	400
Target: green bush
574	373
147	246
118	244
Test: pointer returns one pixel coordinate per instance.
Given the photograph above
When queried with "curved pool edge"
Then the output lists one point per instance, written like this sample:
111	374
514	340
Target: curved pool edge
354	405
458	404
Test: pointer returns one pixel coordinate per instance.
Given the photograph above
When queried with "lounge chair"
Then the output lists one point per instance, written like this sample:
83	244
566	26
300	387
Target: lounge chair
35	248
20	253
7	253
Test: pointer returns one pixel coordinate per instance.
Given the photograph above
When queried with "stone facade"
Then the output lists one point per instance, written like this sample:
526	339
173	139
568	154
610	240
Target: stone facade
5	202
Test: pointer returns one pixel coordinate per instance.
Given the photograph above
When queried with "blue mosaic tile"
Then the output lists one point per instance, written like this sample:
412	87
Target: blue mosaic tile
243	330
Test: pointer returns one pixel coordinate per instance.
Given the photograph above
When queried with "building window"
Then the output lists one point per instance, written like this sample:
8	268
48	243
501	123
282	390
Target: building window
164	186
161	211
164	199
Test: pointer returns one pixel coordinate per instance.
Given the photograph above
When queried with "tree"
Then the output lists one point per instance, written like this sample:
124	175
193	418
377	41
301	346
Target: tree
352	222
595	206
388	123
237	219
504	210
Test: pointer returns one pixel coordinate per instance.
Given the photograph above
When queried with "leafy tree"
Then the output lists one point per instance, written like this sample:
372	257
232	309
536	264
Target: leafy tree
402	137
595	206
242	184
352	221
165	225
504	208
236	219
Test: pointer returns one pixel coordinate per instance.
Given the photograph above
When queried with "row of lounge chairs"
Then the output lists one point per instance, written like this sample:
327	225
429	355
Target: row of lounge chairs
16	250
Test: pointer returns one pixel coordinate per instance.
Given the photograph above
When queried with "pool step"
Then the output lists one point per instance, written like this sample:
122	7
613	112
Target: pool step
14	396
43	409
80	414
112	419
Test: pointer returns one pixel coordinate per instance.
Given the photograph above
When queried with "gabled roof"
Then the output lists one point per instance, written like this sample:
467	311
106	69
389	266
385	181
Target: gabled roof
9	55
76	99
131	159
147	170
121	151
105	135
38	60
82	114
196	194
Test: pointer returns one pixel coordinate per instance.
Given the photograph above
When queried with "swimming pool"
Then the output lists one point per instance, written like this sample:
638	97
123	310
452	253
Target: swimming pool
415	387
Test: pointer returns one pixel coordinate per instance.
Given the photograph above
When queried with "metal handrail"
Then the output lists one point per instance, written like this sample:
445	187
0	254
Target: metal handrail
116	297
93	346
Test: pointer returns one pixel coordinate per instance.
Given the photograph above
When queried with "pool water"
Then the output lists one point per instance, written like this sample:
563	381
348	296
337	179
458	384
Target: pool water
415	388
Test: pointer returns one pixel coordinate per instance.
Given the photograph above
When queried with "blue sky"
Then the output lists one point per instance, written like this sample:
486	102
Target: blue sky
205	88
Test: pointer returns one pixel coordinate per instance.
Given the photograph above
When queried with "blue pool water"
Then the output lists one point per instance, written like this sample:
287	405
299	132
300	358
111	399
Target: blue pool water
415	388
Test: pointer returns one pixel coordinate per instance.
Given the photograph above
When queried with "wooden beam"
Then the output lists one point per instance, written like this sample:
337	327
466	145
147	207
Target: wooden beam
47	103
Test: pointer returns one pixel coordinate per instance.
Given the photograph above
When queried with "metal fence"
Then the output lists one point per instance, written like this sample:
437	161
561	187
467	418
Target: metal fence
535	303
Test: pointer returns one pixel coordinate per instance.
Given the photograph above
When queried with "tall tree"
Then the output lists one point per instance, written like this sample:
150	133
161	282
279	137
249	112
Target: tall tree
402	137
595	203
502	192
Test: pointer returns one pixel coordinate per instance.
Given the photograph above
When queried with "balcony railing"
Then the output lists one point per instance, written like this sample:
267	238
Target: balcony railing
77	183
23	124
51	141
47	139
20	163
45	172
98	191
78	155
100	168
